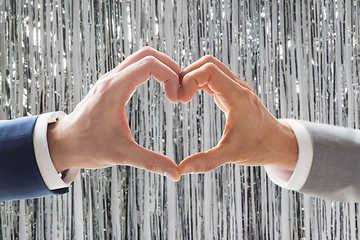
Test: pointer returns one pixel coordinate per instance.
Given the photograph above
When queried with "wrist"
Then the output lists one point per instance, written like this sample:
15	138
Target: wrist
56	147
287	148
41	148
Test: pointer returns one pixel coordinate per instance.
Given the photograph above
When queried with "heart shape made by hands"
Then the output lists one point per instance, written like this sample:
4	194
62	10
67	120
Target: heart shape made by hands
96	134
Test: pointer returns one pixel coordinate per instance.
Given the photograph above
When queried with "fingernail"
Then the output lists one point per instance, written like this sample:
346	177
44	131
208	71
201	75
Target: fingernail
171	175
188	169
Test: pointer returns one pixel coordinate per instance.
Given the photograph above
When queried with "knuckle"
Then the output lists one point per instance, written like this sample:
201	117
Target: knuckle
209	166
209	58
101	86
248	94
147	50
149	60
245	84
249	87
210	66
151	165
251	97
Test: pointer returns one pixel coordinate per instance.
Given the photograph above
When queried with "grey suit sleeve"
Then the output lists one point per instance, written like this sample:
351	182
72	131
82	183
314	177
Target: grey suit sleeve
335	171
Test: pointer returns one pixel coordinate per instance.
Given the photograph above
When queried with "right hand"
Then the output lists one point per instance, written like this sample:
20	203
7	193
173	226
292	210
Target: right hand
97	135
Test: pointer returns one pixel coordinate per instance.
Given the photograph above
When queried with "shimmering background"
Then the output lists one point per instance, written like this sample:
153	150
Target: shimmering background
301	57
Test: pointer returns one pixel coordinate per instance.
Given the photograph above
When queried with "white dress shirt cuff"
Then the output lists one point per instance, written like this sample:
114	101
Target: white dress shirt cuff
43	159
296	179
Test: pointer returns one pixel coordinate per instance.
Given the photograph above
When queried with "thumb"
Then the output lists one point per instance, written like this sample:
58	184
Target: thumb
204	162
140	157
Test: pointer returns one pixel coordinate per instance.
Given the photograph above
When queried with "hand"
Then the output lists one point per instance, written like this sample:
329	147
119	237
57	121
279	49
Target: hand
252	136
97	135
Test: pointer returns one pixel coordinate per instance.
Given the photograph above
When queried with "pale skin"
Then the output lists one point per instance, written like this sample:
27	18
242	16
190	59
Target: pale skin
252	136
97	135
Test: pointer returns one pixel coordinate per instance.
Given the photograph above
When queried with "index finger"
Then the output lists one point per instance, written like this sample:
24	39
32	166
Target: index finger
204	60
226	90
144	52
219	64
139	72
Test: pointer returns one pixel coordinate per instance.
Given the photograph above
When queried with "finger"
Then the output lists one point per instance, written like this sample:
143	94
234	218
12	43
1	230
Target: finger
143	52
148	51
210	92
207	90
228	92
204	162
207	59
219	64
189	87
200	77
140	157
126	81
220	105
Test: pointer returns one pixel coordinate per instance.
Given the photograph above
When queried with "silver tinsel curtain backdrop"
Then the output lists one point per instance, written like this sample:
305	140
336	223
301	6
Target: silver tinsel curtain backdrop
301	57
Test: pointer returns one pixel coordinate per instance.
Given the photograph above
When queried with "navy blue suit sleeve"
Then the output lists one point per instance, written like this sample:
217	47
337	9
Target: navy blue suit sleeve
20	177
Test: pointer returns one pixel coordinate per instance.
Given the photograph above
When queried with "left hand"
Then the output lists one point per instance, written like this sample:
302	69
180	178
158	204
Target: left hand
252	136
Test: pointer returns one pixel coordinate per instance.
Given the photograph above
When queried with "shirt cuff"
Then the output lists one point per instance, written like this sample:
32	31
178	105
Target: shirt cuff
296	179
43	159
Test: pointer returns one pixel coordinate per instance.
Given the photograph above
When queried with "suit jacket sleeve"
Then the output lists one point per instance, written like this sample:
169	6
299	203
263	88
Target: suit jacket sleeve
335	170
19	174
